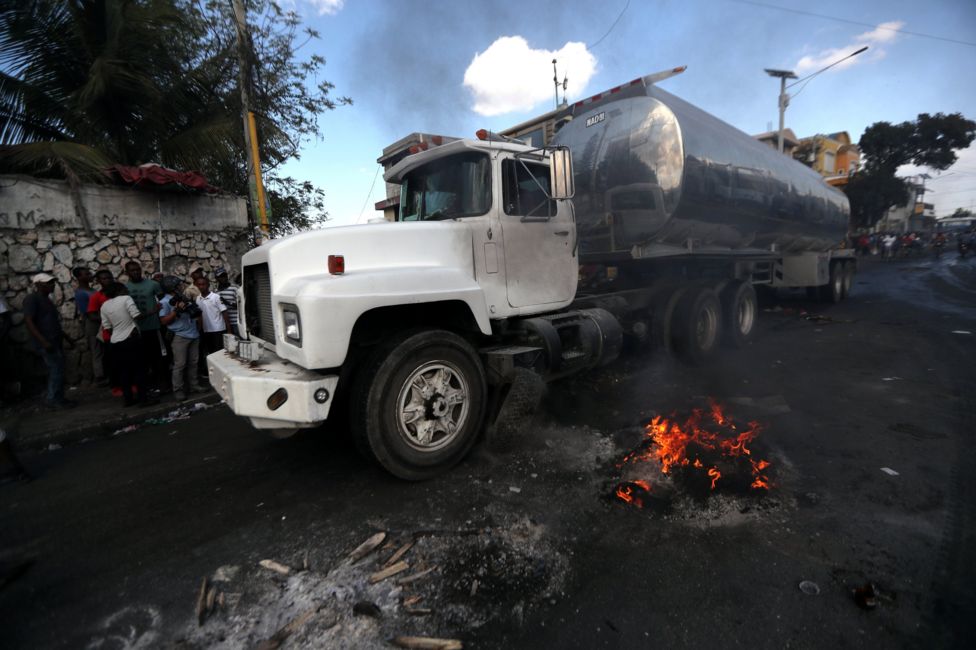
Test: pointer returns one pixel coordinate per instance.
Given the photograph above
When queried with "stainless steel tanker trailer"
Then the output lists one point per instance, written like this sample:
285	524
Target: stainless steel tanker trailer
672	202
631	216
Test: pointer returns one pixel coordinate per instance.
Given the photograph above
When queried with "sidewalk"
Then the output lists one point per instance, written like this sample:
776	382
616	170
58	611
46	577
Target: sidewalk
98	414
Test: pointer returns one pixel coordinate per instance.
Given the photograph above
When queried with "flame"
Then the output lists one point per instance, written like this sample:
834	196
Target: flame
676	444
626	492
715	474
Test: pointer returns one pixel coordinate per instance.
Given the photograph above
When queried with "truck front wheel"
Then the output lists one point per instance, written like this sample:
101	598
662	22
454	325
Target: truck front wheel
418	403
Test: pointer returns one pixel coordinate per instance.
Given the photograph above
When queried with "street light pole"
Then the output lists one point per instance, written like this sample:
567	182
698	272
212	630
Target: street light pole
784	98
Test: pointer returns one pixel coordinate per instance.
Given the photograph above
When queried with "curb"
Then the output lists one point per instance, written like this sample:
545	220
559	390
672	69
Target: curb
105	428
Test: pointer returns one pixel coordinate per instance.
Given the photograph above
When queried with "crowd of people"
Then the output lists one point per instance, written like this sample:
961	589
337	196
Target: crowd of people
147	336
890	245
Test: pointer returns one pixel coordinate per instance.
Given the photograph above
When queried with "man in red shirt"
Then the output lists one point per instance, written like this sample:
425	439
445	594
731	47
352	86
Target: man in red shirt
104	278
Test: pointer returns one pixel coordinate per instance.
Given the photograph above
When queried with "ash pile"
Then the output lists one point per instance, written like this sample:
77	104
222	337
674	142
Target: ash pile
426	589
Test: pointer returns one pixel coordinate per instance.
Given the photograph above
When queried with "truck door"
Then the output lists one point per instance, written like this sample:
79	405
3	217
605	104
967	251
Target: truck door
540	261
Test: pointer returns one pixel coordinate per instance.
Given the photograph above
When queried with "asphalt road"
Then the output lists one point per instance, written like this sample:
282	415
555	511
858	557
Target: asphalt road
527	544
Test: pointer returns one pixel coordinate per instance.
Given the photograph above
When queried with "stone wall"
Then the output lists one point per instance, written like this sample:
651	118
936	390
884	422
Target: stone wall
40	231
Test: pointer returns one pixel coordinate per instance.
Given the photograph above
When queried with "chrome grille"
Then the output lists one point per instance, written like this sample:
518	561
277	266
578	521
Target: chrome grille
257	302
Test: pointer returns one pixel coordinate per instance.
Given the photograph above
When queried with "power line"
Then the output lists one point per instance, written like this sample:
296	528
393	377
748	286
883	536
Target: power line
371	185
854	22
619	16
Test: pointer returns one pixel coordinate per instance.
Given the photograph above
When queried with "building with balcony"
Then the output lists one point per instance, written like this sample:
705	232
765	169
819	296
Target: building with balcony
833	156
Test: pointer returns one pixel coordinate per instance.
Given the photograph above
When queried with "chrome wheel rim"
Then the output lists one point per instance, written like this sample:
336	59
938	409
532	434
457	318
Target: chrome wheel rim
706	329
746	315
432	406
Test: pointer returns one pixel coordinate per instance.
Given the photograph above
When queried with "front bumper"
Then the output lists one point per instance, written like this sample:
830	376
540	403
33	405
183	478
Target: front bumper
247	388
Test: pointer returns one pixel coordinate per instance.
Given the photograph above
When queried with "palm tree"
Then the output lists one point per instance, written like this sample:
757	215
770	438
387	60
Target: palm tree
88	83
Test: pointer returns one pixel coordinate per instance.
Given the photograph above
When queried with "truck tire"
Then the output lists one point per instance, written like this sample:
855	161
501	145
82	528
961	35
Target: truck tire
833	291
849	270
740	309
662	319
418	404
697	325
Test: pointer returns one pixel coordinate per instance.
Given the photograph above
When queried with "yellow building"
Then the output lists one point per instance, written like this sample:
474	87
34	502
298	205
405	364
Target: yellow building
833	155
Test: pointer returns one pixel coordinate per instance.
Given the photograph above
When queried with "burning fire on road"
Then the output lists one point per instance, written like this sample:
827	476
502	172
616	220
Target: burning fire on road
705	452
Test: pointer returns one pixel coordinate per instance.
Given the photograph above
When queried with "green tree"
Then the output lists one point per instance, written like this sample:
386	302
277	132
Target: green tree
88	83
929	141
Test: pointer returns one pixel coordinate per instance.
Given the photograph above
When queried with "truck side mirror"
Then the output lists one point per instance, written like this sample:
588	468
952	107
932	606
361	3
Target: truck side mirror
561	174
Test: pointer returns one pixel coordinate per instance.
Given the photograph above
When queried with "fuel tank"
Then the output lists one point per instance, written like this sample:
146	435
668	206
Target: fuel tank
656	176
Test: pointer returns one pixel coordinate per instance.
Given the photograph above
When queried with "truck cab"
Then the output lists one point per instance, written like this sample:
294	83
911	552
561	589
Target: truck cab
482	238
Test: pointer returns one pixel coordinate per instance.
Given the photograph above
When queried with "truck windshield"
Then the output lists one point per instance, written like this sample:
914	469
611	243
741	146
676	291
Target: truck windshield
449	188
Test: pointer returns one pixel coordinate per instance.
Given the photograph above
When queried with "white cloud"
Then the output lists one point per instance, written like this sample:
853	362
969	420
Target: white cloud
511	76
883	33
330	7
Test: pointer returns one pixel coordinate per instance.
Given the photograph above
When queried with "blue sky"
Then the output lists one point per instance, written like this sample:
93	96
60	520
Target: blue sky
454	66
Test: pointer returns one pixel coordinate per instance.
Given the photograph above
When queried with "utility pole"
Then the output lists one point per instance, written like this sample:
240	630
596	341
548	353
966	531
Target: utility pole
784	98
244	54
555	82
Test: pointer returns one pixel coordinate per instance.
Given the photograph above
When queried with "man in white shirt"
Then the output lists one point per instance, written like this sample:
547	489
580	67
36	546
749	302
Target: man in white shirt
214	318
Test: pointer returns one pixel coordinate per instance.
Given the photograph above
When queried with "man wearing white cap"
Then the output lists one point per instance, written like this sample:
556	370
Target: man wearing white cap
44	325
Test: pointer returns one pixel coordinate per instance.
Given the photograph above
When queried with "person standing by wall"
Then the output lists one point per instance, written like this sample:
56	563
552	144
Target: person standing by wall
228	296
44	325
119	314
181	316
143	292
214	318
104	278
83	293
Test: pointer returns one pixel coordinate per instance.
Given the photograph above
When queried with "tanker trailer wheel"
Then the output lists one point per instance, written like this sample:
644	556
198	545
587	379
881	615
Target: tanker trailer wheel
740	309
418	404
833	291
848	278
697	325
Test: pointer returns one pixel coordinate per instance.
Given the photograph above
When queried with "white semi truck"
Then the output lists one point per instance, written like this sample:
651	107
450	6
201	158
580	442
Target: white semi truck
640	217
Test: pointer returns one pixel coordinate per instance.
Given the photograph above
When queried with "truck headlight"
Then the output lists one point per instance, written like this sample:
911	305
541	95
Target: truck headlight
293	324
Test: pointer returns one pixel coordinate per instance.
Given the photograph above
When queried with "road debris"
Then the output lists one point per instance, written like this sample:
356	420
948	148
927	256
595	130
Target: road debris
866	597
288	629
889	471
412	600
366	547
418	611
415	577
391	570
128	429
426	643
275	566
810	588
202	602
400	552
516	490
967	332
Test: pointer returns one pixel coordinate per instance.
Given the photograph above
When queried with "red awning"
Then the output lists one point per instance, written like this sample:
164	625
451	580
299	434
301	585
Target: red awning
155	175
